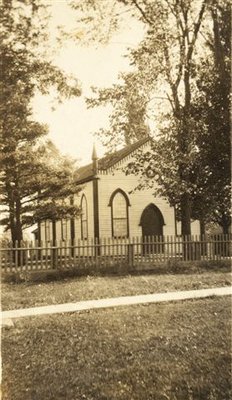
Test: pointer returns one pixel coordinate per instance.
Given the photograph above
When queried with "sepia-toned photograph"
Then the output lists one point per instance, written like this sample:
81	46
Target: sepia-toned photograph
115	200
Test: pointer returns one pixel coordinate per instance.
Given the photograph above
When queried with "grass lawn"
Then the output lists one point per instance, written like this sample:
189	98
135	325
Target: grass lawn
86	288
176	351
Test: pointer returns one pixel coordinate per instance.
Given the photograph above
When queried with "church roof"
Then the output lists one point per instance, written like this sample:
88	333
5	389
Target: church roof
86	173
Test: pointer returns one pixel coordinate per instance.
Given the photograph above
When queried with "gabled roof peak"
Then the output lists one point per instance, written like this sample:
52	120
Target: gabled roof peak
86	172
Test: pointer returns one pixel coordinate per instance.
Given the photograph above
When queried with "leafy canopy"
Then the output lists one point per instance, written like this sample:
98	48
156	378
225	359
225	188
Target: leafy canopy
26	167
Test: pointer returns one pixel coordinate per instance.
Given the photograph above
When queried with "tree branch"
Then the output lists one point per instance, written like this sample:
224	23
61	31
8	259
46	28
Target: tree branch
142	12
196	30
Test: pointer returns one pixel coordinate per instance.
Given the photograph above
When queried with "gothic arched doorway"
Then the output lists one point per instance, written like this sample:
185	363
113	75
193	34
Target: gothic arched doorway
152	223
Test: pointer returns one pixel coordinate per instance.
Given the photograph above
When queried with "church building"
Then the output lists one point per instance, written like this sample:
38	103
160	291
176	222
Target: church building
110	207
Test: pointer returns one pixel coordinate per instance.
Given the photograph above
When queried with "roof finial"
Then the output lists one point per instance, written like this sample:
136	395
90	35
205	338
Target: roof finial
95	160
94	153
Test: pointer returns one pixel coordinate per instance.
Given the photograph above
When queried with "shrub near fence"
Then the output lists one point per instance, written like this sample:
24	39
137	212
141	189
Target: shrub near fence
28	256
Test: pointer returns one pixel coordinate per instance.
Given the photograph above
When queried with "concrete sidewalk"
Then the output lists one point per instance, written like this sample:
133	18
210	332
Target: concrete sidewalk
6	316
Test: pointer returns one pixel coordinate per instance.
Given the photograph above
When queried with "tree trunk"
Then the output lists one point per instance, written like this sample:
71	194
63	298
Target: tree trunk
39	240
54	251
12	221
11	205
184	146
185	214
225	229
203	246
186	226
202	227
218	50
225	222
18	224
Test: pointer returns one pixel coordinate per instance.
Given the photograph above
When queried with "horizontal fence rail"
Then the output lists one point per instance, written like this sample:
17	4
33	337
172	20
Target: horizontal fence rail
132	252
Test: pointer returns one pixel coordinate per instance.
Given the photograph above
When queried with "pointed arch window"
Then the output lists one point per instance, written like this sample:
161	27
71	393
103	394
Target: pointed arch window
119	204
84	218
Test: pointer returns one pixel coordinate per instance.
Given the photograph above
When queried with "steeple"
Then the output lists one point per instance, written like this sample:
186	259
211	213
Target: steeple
94	160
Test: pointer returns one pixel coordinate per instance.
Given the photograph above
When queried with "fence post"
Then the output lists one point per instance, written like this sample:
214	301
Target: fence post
130	247
228	245
97	247
54	255
187	247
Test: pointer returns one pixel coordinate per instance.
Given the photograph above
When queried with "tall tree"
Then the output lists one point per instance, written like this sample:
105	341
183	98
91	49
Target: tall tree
40	181
25	69
212	108
167	56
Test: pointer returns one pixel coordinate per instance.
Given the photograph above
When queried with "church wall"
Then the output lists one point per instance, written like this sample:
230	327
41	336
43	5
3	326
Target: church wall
195	228
108	183
138	200
48	238
87	190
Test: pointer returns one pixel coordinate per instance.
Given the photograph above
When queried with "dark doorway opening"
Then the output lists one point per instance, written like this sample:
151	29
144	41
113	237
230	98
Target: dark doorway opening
152	223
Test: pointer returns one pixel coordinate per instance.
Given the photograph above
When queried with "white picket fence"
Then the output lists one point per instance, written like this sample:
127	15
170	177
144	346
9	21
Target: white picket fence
27	256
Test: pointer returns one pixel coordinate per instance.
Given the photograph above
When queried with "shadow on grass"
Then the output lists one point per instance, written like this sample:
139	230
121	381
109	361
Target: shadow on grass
170	267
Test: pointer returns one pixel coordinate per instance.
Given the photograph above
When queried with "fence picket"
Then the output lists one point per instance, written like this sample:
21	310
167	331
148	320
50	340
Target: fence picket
163	248
16	254
175	240
10	263
146	249
98	251
104	251
60	262
133	251
78	251
220	247
25	255
201	247
137	250
46	255
30	254
91	251
122	250
171	248
224	245
116	249
74	252
167	249
109	248
41	254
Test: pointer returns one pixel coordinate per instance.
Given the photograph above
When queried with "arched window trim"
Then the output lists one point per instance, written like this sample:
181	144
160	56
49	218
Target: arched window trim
157	209
84	199
112	211
123	193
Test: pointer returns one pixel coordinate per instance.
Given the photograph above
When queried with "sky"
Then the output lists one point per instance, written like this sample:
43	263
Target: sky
71	125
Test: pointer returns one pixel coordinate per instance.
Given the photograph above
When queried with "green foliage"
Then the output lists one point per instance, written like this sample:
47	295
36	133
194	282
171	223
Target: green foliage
212	109
96	21
36	182
128	118
183	61
165	59
25	163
